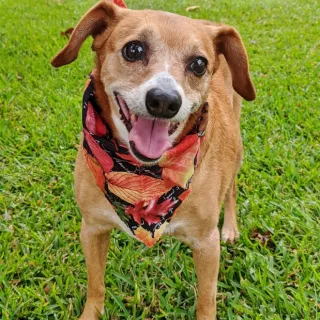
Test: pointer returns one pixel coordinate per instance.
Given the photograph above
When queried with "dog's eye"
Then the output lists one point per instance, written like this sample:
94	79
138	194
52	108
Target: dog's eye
133	51
198	66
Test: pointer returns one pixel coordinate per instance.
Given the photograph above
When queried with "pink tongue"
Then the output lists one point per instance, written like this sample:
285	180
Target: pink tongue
151	137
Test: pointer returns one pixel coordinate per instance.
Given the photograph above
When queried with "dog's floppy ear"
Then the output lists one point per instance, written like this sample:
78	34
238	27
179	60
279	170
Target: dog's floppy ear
228	42
102	16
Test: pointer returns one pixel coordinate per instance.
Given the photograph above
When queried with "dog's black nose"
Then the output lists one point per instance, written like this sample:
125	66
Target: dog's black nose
163	104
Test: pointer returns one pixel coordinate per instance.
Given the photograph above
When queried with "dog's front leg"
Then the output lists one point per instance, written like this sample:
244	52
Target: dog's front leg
95	244
206	255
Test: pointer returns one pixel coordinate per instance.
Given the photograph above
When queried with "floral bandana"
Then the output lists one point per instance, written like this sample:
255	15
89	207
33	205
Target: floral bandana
144	197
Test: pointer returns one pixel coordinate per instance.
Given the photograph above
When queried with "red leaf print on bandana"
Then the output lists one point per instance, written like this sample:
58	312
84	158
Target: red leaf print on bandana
95	169
185	195
103	158
129	158
152	213
94	122
146	236
119	3
178	162
134	188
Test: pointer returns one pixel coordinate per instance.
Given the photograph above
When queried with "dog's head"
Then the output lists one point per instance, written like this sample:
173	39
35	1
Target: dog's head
156	69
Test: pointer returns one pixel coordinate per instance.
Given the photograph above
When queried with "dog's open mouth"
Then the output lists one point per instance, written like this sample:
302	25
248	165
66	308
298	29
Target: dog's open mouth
149	138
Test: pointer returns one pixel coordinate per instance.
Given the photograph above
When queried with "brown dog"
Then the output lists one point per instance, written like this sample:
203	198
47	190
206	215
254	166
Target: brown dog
154	73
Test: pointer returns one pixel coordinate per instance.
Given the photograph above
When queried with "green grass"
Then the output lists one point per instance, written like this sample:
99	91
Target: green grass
42	269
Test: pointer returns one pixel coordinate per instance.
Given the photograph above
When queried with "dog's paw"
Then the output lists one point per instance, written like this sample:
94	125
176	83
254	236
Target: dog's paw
92	311
229	234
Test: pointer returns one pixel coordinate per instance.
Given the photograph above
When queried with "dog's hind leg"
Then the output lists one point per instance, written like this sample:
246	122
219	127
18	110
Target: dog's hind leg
95	243
229	229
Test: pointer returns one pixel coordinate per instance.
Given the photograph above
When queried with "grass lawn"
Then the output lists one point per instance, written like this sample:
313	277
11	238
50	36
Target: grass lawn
42	268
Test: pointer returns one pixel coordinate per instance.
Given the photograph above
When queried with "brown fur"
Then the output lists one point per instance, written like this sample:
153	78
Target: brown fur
196	221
